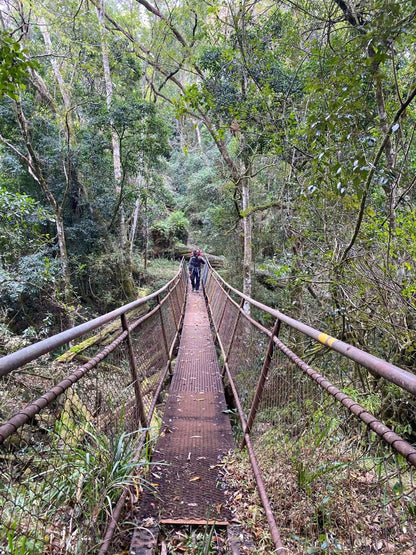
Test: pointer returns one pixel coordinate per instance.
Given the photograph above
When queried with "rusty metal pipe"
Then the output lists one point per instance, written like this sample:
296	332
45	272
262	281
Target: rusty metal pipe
235	326
222	316
140	411
27	354
236	398
23	416
263	496
404	379
262	380
162	325
390	437
157	393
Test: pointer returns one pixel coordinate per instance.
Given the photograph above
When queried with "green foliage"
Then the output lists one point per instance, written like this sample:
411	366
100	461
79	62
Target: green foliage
14	66
177	223
21	222
90	471
291	97
30	295
166	232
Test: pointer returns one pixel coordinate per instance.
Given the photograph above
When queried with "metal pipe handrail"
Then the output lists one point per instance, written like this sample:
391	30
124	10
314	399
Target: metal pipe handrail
397	442
29	411
27	354
115	514
404	379
218	285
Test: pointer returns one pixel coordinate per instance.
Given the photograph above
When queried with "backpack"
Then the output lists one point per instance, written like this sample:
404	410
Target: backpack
194	262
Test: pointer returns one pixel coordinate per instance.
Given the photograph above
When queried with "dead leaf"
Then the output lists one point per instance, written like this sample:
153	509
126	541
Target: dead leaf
195	479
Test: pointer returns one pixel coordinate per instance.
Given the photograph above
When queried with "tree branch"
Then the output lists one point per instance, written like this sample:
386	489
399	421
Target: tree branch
159	14
16	151
372	171
260	208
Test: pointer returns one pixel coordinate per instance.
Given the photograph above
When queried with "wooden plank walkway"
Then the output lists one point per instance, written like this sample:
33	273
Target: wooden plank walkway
195	434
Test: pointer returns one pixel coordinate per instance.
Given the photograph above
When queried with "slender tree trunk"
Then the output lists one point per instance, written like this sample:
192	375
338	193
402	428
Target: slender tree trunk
114	137
247	218
64	259
146	234
55	66
247	236
201	148
127	270
134	225
67	117
35	169
388	147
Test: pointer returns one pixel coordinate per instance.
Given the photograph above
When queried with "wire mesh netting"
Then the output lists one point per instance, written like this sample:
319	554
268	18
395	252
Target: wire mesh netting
334	485
69	433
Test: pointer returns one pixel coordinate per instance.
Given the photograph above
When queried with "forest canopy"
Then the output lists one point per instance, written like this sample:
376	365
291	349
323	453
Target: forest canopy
279	135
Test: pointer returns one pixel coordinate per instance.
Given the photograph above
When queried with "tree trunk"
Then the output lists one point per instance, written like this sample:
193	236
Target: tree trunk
201	147
247	236
64	258
55	67
146	234
134	225
35	169
127	269
388	147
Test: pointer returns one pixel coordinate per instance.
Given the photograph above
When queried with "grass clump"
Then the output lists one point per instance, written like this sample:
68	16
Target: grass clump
60	502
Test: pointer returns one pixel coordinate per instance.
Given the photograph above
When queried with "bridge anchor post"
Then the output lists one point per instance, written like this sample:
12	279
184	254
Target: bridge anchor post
237	320
261	382
165	341
140	412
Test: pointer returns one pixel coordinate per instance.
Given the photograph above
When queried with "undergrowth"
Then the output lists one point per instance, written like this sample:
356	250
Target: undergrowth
61	501
324	501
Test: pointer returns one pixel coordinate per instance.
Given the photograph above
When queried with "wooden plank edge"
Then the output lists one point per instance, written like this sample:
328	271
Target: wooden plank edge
193	522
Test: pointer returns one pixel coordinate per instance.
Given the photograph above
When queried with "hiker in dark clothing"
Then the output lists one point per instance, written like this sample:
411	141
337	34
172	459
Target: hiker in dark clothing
194	267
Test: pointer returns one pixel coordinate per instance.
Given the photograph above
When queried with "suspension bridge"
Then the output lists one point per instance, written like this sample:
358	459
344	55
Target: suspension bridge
79	415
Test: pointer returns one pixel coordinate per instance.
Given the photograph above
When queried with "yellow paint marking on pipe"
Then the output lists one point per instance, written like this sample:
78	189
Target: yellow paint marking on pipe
322	337
326	339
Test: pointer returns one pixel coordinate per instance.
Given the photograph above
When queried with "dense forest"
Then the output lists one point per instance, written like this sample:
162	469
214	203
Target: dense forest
278	135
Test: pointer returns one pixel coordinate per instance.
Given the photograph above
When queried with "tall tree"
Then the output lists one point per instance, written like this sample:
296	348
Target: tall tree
127	268
222	102
31	158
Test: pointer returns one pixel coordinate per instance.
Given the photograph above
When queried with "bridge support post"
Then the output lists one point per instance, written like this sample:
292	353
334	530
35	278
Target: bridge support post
210	298
240	308
261	382
173	306
217	328
165	341
140	412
